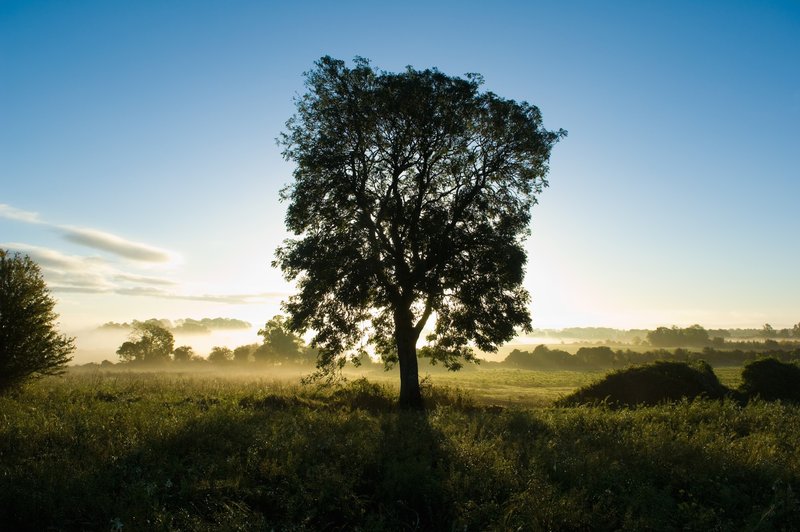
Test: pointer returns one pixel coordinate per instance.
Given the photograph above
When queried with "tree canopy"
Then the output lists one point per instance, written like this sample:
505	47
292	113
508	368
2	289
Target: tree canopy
692	336
149	342
220	355
280	345
184	353
30	344
411	198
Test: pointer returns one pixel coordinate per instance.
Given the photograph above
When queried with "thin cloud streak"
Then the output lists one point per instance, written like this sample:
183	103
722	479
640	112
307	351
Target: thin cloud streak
94	238
114	244
80	274
144	279
12	213
48	258
231	299
93	275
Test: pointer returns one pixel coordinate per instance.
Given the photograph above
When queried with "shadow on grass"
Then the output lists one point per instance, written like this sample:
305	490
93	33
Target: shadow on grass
347	459
288	462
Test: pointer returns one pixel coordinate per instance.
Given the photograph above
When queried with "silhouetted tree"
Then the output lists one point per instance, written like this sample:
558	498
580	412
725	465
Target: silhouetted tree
280	344
183	353
767	331
149	342
130	351
220	355
411	196
595	357
30	344
243	353
692	336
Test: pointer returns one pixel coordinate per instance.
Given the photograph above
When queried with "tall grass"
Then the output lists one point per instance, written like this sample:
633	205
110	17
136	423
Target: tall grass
155	452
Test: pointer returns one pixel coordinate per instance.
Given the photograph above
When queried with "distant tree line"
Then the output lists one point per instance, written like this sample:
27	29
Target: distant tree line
184	326
152	343
594	333
697	336
603	357
692	336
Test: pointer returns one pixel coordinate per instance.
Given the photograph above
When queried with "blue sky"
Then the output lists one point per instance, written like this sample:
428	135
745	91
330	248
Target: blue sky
138	161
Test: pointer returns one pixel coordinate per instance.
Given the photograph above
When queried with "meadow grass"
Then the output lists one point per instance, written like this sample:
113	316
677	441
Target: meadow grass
148	451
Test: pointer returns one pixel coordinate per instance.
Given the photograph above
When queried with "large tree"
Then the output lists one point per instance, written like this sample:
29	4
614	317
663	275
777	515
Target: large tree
30	344
411	199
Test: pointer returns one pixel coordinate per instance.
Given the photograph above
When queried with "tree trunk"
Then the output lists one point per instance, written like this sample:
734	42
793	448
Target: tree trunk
406	339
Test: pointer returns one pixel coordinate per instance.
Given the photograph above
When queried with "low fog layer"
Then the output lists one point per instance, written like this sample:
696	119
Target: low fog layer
96	345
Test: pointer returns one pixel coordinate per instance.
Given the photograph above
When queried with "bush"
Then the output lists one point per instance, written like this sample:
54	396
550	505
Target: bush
29	342
771	380
651	384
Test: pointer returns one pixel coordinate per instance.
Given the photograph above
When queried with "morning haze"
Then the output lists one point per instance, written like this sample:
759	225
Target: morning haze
418	266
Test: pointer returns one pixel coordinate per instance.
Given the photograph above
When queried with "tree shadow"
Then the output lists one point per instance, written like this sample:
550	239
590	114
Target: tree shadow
274	462
354	461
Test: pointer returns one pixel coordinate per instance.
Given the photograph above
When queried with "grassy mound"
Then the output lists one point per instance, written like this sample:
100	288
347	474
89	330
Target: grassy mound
651	384
771	380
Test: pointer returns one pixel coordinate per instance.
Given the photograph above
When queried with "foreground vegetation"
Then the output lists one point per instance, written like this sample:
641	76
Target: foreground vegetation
154	451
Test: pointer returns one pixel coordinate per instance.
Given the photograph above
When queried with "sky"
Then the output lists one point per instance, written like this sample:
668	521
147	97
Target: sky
138	162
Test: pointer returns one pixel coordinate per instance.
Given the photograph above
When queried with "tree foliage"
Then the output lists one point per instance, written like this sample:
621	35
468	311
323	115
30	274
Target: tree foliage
244	353
220	355
280	344
651	384
184	353
30	344
149	343
411	197
692	336
771	380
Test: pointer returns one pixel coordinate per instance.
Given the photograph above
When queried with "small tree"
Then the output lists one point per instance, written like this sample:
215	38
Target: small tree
30	345
149	342
130	351
280	344
244	353
411	199
220	355
183	353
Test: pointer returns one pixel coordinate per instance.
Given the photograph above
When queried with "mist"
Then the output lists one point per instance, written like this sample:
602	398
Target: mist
96	345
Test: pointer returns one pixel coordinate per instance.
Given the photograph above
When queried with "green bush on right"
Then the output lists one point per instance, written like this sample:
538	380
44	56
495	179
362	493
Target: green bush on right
771	380
651	384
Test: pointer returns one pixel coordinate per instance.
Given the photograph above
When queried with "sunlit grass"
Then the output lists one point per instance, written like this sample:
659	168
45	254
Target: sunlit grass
204	452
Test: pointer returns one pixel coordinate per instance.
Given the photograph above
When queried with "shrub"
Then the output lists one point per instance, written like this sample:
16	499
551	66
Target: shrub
30	345
651	384
771	380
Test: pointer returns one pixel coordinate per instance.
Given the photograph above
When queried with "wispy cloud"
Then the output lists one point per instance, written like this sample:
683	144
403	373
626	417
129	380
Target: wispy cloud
97	275
93	238
93	275
231	299
114	244
12	213
70	273
48	258
144	279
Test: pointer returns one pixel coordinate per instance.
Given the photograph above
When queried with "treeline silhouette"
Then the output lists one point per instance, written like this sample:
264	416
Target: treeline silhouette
603	357
692	336
152	343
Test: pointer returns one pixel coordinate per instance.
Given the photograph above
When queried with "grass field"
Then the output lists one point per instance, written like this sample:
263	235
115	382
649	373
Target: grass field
144	451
